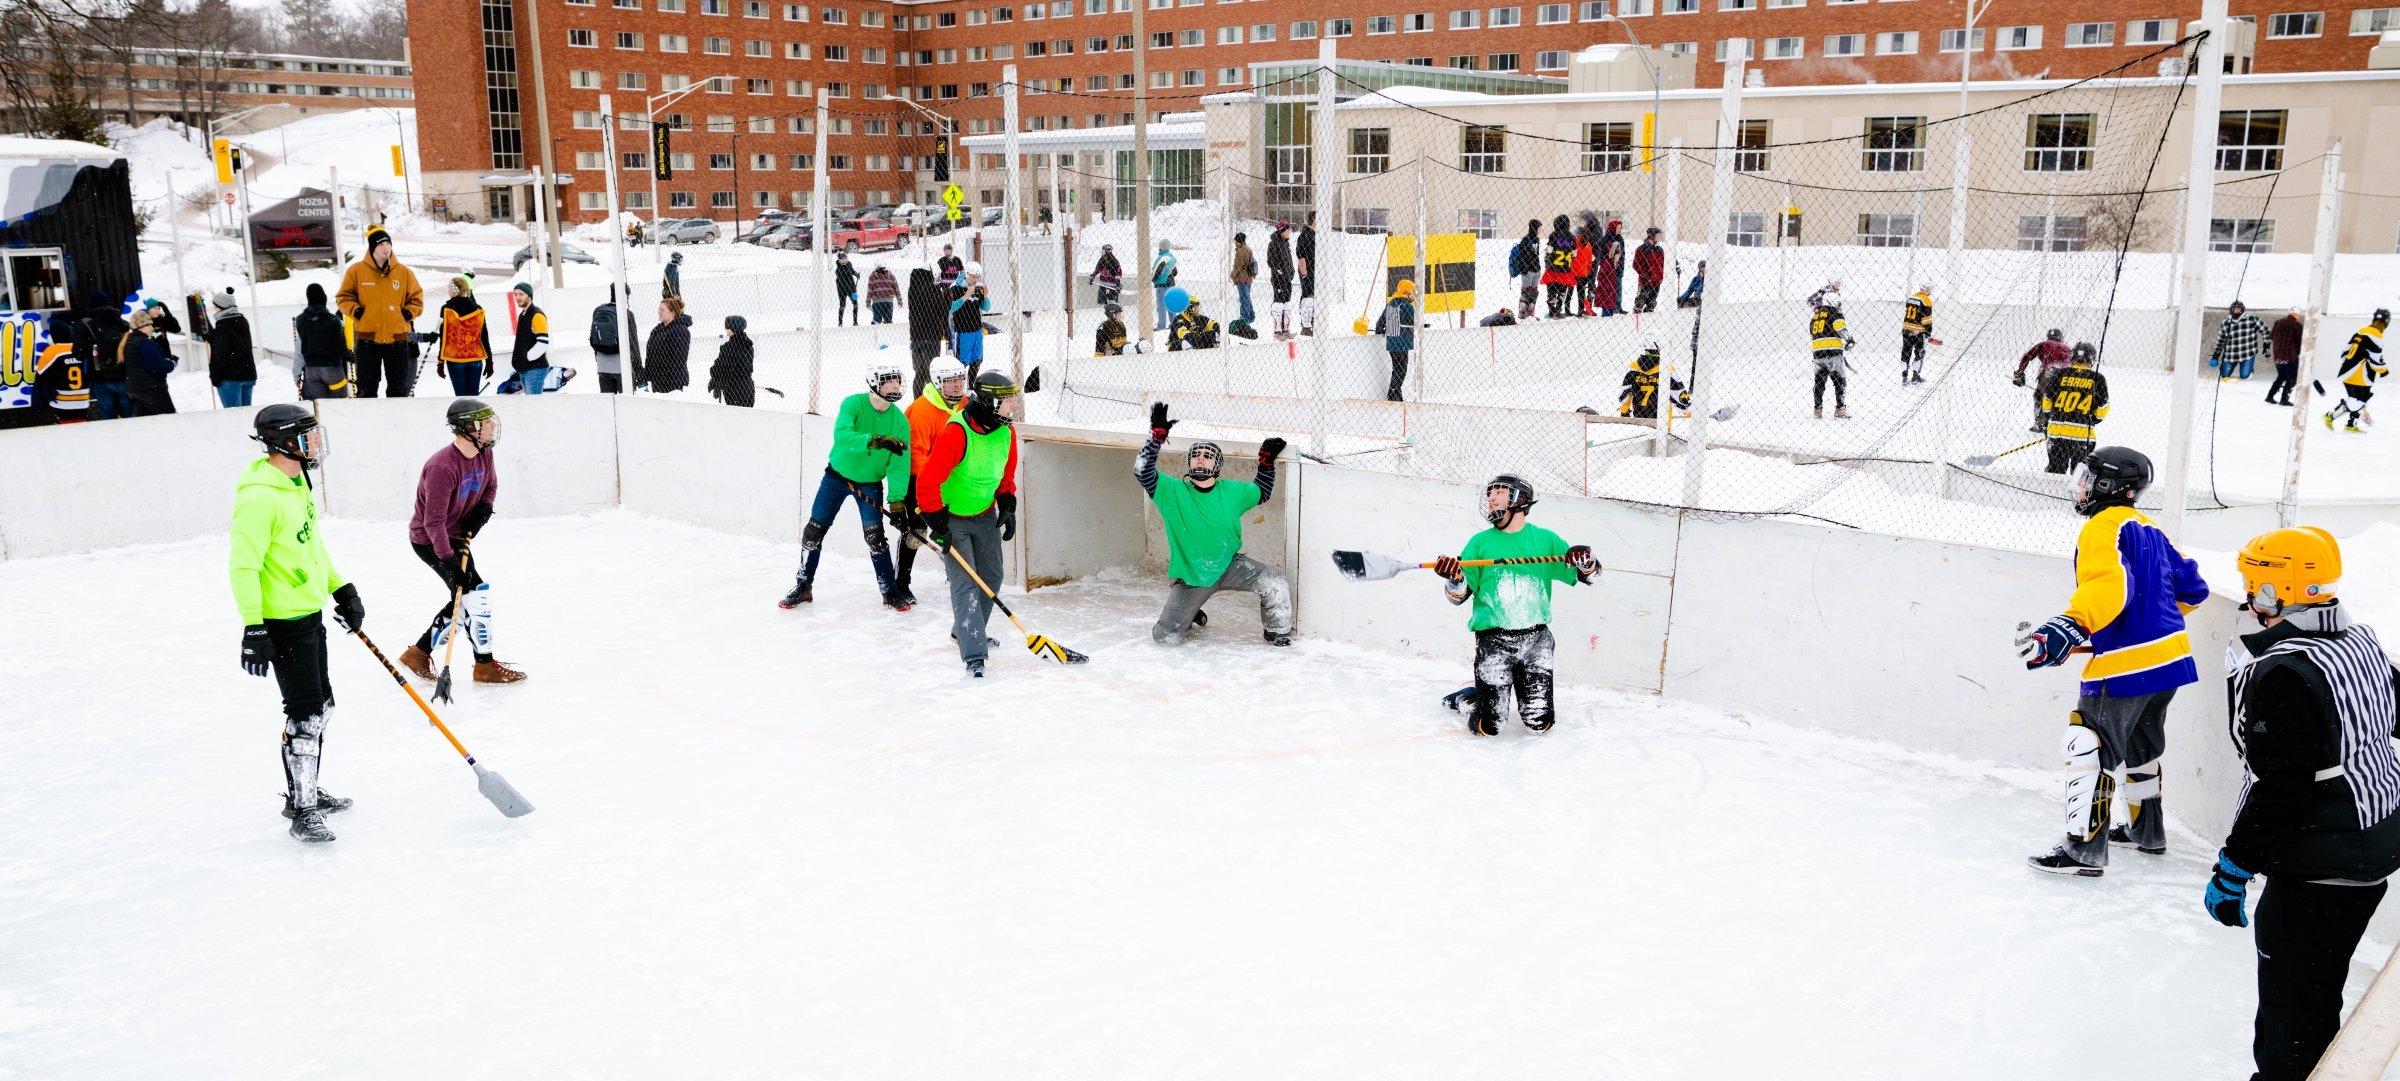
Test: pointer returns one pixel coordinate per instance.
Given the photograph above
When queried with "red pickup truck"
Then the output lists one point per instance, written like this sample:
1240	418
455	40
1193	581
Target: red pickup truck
867	234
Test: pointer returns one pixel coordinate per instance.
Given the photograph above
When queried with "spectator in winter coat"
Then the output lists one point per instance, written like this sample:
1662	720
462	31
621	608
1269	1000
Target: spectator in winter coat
1584	267
670	281
95	341
1279	280
2284	342
232	364
531	357
951	268
1245	271
1304	257
1192	330
845	288
668	347
1558	267
321	352
382	298
1609	267
1649	271
61	389
729	379
1398	325
1162	278
1108	275
1525	265
146	368
2238	343
162	324
928	315
1692	293
883	290
464	344
606	338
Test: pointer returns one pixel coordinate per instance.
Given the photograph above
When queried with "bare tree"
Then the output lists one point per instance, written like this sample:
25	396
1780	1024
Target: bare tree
2127	220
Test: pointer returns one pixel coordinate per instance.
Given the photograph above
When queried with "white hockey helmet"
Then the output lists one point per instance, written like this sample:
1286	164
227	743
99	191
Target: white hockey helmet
975	270
950	377
1650	342
879	374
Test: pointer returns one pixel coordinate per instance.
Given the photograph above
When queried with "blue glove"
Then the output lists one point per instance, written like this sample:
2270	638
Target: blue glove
2227	890
2048	645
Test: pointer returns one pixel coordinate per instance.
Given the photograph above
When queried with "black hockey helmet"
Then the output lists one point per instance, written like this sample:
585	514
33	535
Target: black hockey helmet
1520	497
2111	477
2383	315
990	391
1193	470
2085	354
466	417
2055	335
290	430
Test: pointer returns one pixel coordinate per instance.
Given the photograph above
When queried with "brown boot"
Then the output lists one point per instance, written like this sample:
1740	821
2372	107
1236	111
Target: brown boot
417	661
497	672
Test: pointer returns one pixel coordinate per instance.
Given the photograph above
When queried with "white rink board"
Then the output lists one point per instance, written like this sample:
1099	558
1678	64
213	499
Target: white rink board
737	471
82	487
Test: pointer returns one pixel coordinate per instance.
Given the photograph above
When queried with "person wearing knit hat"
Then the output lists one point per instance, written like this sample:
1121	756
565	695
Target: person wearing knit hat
730	378
232	364
464	346
1398	325
531	360
381	298
321	356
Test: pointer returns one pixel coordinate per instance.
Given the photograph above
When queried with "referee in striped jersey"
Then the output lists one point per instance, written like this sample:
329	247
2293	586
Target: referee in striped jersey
2314	707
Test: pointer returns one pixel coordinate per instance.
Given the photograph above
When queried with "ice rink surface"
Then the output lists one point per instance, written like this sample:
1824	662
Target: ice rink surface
799	845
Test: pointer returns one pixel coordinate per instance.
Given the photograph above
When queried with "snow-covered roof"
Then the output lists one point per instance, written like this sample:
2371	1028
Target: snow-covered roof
1430	95
26	146
1179	131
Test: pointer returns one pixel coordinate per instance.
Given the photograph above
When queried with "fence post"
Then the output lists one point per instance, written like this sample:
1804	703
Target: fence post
1012	223
2177	475
1320	131
1666	371
1720	209
821	221
2320	287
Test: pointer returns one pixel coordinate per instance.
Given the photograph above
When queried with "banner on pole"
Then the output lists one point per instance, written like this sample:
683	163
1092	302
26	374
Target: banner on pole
660	159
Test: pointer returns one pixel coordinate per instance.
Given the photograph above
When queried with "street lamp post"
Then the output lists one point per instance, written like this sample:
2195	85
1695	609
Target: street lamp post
650	107
943	127
1651	152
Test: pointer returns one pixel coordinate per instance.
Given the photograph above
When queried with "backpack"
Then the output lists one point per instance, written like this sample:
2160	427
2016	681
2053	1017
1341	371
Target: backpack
604	330
1393	322
108	356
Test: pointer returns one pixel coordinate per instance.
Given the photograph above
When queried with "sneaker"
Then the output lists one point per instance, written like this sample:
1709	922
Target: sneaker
974	669
2118	838
419	662
2059	863
308	827
327	803
1916	377
496	672
1841	412
897	603
907	596
1820	412
1278	638
800	594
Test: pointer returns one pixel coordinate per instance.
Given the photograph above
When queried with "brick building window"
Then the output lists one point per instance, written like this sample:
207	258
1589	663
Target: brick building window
2296	24
1887	230
1895	144
2058	142
583	39
2250	140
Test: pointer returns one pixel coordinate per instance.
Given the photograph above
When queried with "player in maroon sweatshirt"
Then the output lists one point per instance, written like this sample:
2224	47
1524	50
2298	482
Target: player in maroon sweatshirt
454	499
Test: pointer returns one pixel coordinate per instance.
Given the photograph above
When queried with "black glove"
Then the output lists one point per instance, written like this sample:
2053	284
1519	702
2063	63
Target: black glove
1008	516
258	650
2019	378
897	512
1159	424
885	442
937	525
348	610
1268	450
1581	558
1447	567
475	520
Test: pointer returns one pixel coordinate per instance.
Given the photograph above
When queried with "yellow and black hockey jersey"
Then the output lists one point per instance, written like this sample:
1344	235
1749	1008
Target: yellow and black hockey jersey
2362	363
1638	396
1917	316
1827	331
2074	402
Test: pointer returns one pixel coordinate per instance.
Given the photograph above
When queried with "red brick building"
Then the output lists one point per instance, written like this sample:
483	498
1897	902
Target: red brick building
749	140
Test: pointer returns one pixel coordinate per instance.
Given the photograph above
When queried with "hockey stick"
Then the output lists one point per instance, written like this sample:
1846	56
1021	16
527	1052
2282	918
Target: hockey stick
494	788
1987	459
458	604
1370	567
1040	645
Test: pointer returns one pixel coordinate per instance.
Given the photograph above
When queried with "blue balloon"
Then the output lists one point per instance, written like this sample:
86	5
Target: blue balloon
1178	300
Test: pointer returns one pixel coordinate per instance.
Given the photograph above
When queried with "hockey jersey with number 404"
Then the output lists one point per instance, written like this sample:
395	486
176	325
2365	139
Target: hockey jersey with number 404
2132	588
2074	401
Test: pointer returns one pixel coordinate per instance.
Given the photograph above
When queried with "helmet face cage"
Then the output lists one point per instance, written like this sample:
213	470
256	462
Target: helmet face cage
307	445
951	377
1504	495
880	374
1202	460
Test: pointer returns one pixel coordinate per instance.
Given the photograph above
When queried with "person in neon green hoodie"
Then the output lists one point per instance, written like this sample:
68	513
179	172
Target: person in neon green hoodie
1202	514
282	578
868	466
1511	620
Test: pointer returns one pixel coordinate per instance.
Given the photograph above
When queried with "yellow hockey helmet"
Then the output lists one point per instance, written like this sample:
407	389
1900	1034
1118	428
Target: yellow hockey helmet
2286	569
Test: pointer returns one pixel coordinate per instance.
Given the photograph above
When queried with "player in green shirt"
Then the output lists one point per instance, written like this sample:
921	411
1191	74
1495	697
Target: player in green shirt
1203	518
868	466
1511	618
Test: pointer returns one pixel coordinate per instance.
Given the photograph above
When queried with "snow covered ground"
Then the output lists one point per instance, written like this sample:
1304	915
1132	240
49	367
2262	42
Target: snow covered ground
776	844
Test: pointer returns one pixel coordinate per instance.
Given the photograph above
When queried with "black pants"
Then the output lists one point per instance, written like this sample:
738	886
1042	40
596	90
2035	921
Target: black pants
1555	295
612	383
1399	374
906	558
382	362
1833	374
847	303
2066	454
1518	660
2286	377
441	616
307	686
2305	932
1645	299
1912	350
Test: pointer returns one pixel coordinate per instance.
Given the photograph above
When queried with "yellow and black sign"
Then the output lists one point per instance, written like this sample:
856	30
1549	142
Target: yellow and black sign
1449	263
661	160
224	156
941	159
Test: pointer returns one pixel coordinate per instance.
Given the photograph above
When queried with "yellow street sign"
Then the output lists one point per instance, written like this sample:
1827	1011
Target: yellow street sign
954	196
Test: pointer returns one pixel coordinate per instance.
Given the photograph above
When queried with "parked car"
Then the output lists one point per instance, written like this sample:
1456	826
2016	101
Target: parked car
566	253
765	235
685	231
773	215
868	234
885	211
790	234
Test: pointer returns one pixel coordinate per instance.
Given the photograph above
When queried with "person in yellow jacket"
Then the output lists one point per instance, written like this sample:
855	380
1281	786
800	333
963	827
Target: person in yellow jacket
282	579
2362	365
465	341
381	298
